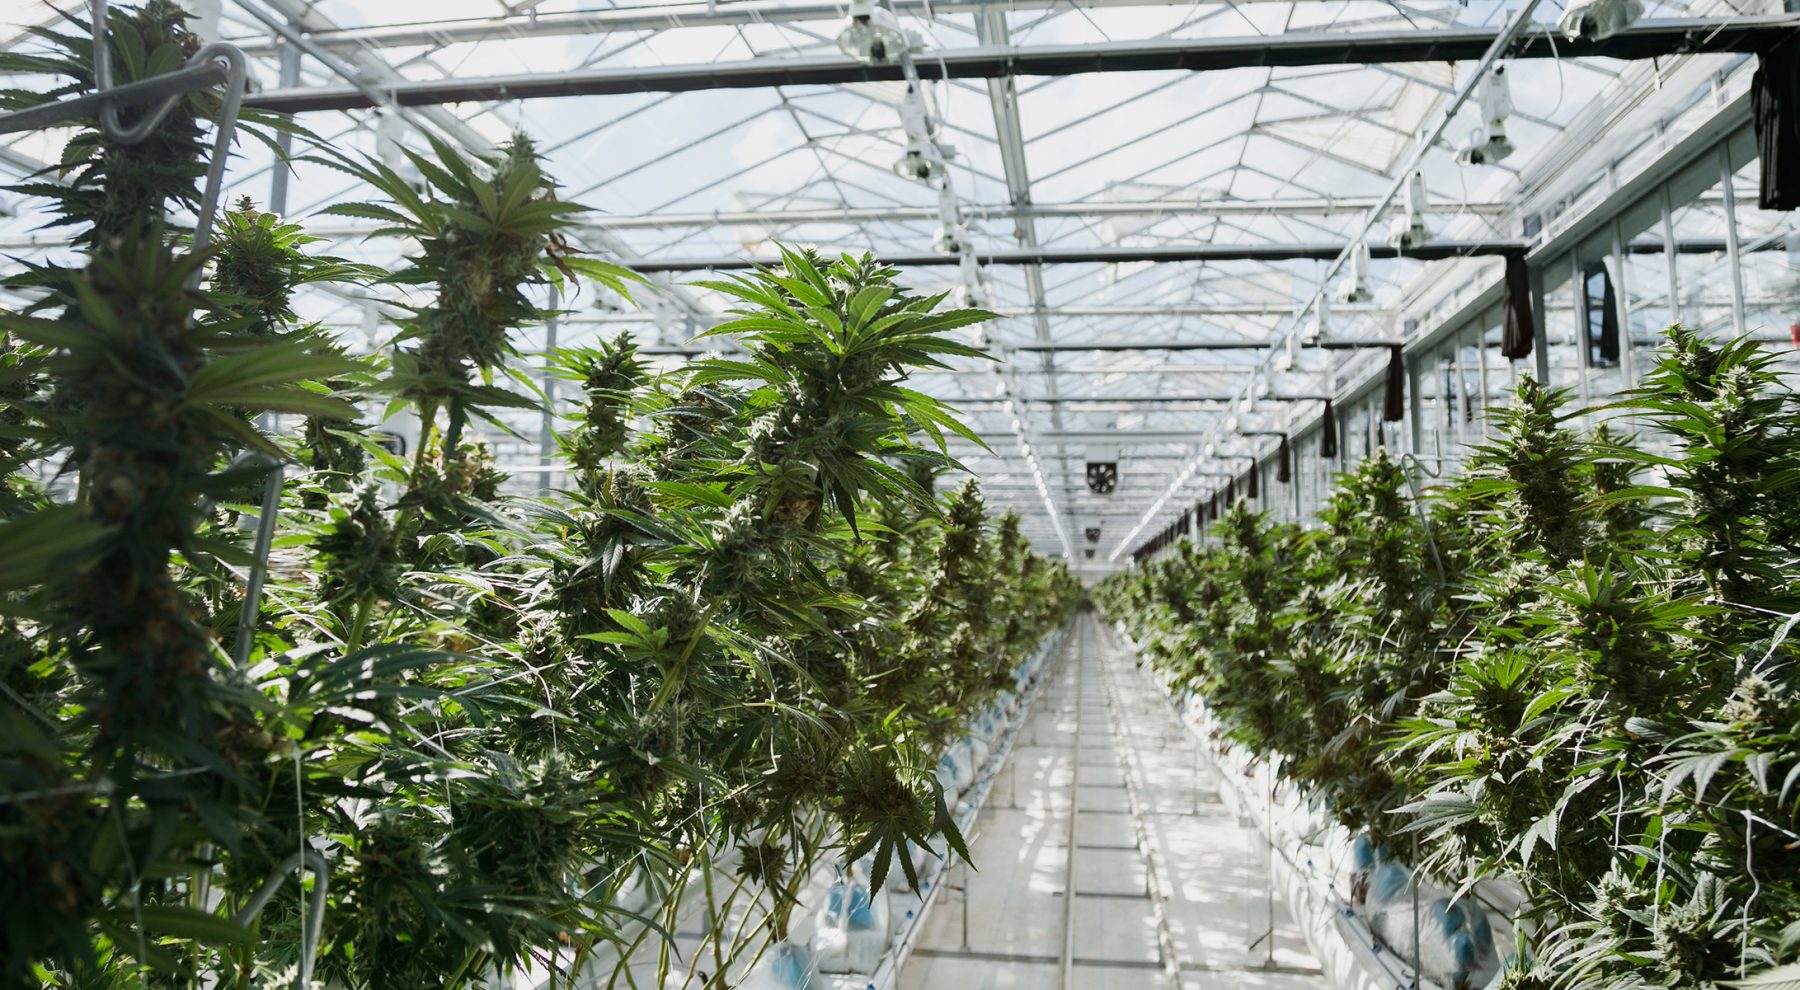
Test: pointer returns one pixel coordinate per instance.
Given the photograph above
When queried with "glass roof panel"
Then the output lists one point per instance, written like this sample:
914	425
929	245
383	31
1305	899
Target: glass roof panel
1136	161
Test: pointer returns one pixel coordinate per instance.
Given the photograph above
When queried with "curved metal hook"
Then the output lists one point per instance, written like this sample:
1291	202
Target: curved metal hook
1419	507
110	124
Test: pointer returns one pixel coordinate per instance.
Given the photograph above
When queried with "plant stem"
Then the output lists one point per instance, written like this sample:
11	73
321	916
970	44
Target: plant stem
456	977
364	606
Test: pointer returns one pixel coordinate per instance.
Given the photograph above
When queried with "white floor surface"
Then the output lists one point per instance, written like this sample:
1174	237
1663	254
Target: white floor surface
1147	822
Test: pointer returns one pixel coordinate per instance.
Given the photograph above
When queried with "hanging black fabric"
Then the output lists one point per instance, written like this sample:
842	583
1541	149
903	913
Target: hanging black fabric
1328	433
1284	467
1600	309
1252	484
1519	329
1775	110
1393	408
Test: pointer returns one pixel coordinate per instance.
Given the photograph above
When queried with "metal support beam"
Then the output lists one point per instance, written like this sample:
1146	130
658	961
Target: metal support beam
1009	135
1198	345
1515	32
1432	251
1147	399
1649	39
373	77
634	19
1287	206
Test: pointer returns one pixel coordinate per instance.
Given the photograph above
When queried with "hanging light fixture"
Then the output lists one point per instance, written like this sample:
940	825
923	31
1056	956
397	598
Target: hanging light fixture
1596	20
1355	286
873	36
1409	227
1488	143
923	160
1320	327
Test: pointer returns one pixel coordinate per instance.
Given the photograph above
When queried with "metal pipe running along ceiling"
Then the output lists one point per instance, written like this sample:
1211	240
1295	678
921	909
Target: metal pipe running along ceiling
1429	251
532	22
1648	39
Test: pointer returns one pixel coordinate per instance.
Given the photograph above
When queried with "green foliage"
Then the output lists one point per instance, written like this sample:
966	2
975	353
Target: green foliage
483	716
112	192
487	232
1575	674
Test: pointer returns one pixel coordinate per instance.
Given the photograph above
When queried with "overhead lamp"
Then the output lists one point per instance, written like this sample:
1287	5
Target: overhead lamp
873	36
1320	327
1355	286
923	160
1596	20
1409	228
920	165
1290	353
1488	143
952	240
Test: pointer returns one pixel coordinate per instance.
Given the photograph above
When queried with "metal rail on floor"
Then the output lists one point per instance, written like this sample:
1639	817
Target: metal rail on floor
1130	768
1066	963
1357	937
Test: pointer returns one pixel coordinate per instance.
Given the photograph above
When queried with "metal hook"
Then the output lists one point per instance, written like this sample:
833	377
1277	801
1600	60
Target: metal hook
1419	508
110	124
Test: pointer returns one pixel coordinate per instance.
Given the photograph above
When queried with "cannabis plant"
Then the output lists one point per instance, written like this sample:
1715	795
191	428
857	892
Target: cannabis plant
1572	675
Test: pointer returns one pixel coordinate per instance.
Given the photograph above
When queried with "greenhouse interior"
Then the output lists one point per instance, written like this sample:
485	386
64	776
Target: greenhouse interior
900	494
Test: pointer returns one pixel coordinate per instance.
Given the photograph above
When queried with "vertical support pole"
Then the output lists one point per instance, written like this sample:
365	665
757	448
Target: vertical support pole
1269	867
1415	406
1732	256
1414	878
1295	474
965	905
1620	263
1540	313
1583	328
270	510
547	432
278	176
1481	381
1671	261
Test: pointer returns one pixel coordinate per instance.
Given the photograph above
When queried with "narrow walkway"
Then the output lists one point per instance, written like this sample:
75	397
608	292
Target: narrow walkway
1105	794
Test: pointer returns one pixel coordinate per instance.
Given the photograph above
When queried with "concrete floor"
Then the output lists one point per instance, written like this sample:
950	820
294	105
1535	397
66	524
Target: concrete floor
1169	889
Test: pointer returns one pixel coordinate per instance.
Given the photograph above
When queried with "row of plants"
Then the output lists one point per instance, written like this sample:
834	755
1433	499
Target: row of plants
469	724
1570	665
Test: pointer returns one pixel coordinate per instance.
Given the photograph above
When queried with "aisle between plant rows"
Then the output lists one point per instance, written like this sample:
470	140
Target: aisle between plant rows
1103	761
